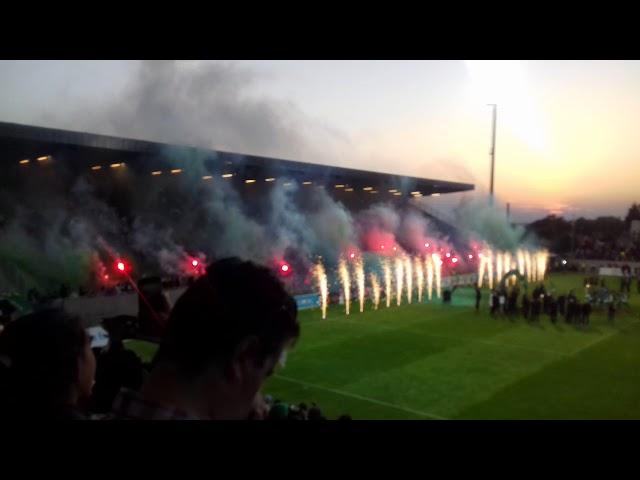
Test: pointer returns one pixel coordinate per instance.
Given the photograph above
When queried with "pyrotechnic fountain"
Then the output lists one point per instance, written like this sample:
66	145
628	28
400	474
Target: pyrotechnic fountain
321	278
387	281
482	266
531	265
520	255
438	272
375	287
358	266
419	277
429	264
399	280
541	257
408	268
506	265
343	271
534	267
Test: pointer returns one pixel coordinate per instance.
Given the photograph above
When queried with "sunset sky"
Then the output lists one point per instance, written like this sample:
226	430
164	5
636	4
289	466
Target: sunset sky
567	138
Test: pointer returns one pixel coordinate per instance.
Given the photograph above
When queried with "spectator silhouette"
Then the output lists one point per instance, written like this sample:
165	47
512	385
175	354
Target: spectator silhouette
117	367
49	367
225	336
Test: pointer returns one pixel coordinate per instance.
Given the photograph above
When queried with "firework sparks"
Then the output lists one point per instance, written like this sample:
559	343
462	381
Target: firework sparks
321	278
419	277
399	280
358	266
375	287
437	264
343	271
387	281
408	269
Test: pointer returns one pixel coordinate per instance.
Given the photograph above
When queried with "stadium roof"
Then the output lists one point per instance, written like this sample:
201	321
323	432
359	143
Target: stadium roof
23	142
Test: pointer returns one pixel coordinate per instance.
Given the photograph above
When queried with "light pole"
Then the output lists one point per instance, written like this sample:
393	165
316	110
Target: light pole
493	150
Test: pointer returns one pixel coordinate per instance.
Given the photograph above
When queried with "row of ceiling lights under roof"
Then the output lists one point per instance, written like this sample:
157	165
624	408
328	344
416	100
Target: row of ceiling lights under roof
42	158
176	171
112	165
393	191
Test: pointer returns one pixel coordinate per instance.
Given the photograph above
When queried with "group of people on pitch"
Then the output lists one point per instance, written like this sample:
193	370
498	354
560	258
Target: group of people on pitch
509	303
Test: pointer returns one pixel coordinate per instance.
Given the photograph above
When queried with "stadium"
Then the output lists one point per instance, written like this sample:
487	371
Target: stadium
414	348
41	164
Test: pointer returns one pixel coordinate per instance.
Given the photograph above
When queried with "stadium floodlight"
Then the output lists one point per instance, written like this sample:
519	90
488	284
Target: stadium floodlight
43	158
307	183
493	149
176	171
207	177
96	167
156	173
116	165
339	185
227	175
397	194
270	179
23	162
366	189
250	180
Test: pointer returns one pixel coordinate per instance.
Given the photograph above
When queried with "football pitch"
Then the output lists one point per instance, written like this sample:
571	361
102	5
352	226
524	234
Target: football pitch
435	361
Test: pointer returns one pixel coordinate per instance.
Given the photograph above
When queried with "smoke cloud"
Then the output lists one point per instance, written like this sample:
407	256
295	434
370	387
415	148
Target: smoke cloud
67	232
209	105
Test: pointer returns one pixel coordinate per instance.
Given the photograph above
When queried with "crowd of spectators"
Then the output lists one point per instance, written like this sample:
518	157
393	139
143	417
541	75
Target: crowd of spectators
589	249
216	350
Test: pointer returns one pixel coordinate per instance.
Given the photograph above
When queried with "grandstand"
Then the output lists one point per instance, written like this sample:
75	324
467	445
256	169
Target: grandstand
41	165
74	153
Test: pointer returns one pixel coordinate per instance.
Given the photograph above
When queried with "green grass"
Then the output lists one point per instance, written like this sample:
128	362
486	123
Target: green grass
424	361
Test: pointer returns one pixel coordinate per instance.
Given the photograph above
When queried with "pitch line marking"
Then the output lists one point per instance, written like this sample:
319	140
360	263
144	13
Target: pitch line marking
462	339
498	344
605	337
360	397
